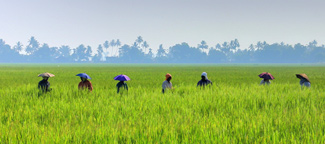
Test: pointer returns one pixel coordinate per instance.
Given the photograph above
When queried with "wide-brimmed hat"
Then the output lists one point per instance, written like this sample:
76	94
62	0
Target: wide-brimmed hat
84	75
46	75
304	76
266	75
122	77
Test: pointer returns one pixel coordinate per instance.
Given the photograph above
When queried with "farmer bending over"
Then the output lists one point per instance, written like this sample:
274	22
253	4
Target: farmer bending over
204	80
167	84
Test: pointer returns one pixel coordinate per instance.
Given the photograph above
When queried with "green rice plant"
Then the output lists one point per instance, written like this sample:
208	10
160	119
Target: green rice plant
235	109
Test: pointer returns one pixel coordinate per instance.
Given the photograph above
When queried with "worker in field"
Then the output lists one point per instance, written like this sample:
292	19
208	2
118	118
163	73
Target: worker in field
167	84
265	81
85	83
266	77
122	86
204	80
304	80
44	85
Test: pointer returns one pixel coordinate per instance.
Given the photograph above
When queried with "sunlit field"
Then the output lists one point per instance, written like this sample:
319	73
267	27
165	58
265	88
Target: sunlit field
235	109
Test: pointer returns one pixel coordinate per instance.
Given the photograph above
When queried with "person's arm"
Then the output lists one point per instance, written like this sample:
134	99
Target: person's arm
90	87
301	82
126	87
164	86
47	88
118	88
79	85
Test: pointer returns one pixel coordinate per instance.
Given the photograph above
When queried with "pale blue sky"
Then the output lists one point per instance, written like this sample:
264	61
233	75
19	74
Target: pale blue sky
167	22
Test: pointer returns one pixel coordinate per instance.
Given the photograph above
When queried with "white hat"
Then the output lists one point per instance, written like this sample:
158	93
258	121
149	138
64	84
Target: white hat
46	75
205	75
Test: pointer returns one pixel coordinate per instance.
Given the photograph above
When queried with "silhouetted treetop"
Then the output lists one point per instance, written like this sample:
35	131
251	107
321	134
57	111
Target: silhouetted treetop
139	52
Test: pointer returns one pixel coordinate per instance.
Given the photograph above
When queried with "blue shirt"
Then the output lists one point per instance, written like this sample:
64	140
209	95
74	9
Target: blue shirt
304	82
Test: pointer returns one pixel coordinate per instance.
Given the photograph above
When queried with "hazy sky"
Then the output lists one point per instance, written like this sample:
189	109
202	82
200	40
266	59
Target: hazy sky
167	22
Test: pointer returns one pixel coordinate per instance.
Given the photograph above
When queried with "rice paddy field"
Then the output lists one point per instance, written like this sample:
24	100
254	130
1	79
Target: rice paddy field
235	109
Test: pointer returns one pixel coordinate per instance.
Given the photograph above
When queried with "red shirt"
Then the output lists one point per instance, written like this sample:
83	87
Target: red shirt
85	84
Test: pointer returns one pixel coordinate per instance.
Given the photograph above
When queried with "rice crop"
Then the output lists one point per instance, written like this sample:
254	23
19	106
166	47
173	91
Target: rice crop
235	109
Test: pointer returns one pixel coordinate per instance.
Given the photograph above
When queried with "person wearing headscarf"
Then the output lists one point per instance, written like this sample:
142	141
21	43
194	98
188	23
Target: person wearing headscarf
85	84
44	85
167	84
204	80
120	85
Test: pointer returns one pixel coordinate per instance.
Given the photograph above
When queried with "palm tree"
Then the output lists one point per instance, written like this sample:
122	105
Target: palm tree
203	46
225	48
18	47
139	40
106	46
32	46
118	44
161	51
218	46
89	52
251	47
99	56
64	51
80	53
145	46
234	44
261	45
113	44
150	54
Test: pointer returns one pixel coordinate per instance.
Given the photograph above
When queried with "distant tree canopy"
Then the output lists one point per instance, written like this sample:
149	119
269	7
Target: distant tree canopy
140	52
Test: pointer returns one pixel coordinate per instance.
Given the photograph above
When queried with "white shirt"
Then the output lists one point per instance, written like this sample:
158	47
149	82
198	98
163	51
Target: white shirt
166	84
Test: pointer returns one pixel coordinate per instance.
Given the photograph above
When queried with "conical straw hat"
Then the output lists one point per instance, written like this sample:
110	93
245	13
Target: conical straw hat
304	76
46	75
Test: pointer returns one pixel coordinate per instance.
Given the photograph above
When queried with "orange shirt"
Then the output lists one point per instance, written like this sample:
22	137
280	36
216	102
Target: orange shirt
85	84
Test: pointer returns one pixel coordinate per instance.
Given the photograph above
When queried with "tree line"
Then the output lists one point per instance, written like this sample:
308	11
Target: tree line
140	52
